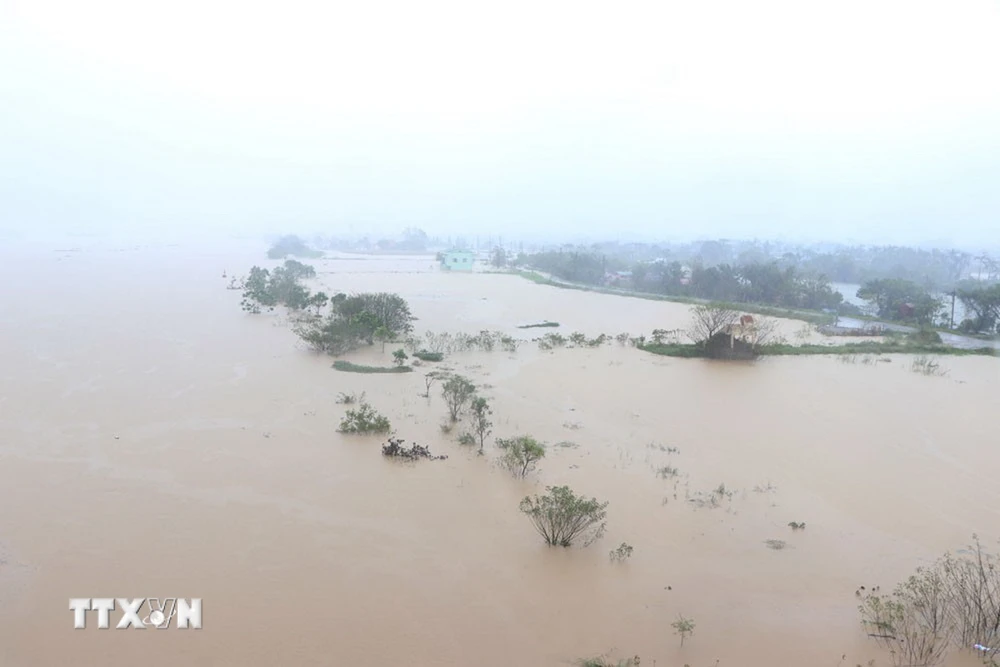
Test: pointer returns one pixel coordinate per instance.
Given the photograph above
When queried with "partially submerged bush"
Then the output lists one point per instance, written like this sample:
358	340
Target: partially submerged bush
520	454
561	517
349	399
546	323
424	355
927	366
955	601
364	420
395	448
622	553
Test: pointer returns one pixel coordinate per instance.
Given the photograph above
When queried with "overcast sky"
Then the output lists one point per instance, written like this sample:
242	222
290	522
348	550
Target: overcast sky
869	120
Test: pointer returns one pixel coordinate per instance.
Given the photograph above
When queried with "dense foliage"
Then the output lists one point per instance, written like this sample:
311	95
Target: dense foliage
280	287
353	321
903	300
983	303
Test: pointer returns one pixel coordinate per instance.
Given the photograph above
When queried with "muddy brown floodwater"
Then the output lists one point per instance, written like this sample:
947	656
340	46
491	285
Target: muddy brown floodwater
156	441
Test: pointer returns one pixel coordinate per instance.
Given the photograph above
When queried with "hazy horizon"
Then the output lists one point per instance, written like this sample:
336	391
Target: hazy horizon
867	122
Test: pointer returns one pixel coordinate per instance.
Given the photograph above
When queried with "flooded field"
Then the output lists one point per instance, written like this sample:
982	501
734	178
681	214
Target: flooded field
157	441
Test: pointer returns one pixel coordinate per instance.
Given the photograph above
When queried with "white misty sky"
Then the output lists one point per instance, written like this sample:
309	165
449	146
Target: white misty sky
870	120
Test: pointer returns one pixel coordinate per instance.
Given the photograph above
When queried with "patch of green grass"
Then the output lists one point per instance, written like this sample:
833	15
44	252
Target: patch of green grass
546	323
351	367
424	355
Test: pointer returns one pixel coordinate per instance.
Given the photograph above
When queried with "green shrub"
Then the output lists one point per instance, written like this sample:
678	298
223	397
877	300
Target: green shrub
520	454
364	420
424	355
561	516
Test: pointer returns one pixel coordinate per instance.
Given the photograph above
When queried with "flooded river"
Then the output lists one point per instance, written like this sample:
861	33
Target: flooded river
156	441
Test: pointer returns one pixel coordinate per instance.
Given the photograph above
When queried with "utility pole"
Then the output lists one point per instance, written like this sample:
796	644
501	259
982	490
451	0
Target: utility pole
952	310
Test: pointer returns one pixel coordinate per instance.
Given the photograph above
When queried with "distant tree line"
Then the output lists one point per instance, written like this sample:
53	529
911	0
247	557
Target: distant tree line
934	269
761	283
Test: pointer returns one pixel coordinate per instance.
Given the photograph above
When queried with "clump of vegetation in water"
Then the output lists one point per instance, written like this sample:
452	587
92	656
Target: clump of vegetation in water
264	289
520	454
538	325
667	472
354	320
551	340
927	366
561	517
424	355
457	392
621	554
399	357
796	525
777	545
394	448
953	602
364	420
351	367
467	439
447	343
349	399
683	627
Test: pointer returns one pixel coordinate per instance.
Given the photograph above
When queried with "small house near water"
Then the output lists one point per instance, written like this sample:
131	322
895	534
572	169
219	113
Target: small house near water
457	260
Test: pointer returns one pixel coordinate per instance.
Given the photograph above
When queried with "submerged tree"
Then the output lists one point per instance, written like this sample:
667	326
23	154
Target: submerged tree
709	320
520	454
481	424
457	392
561	516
